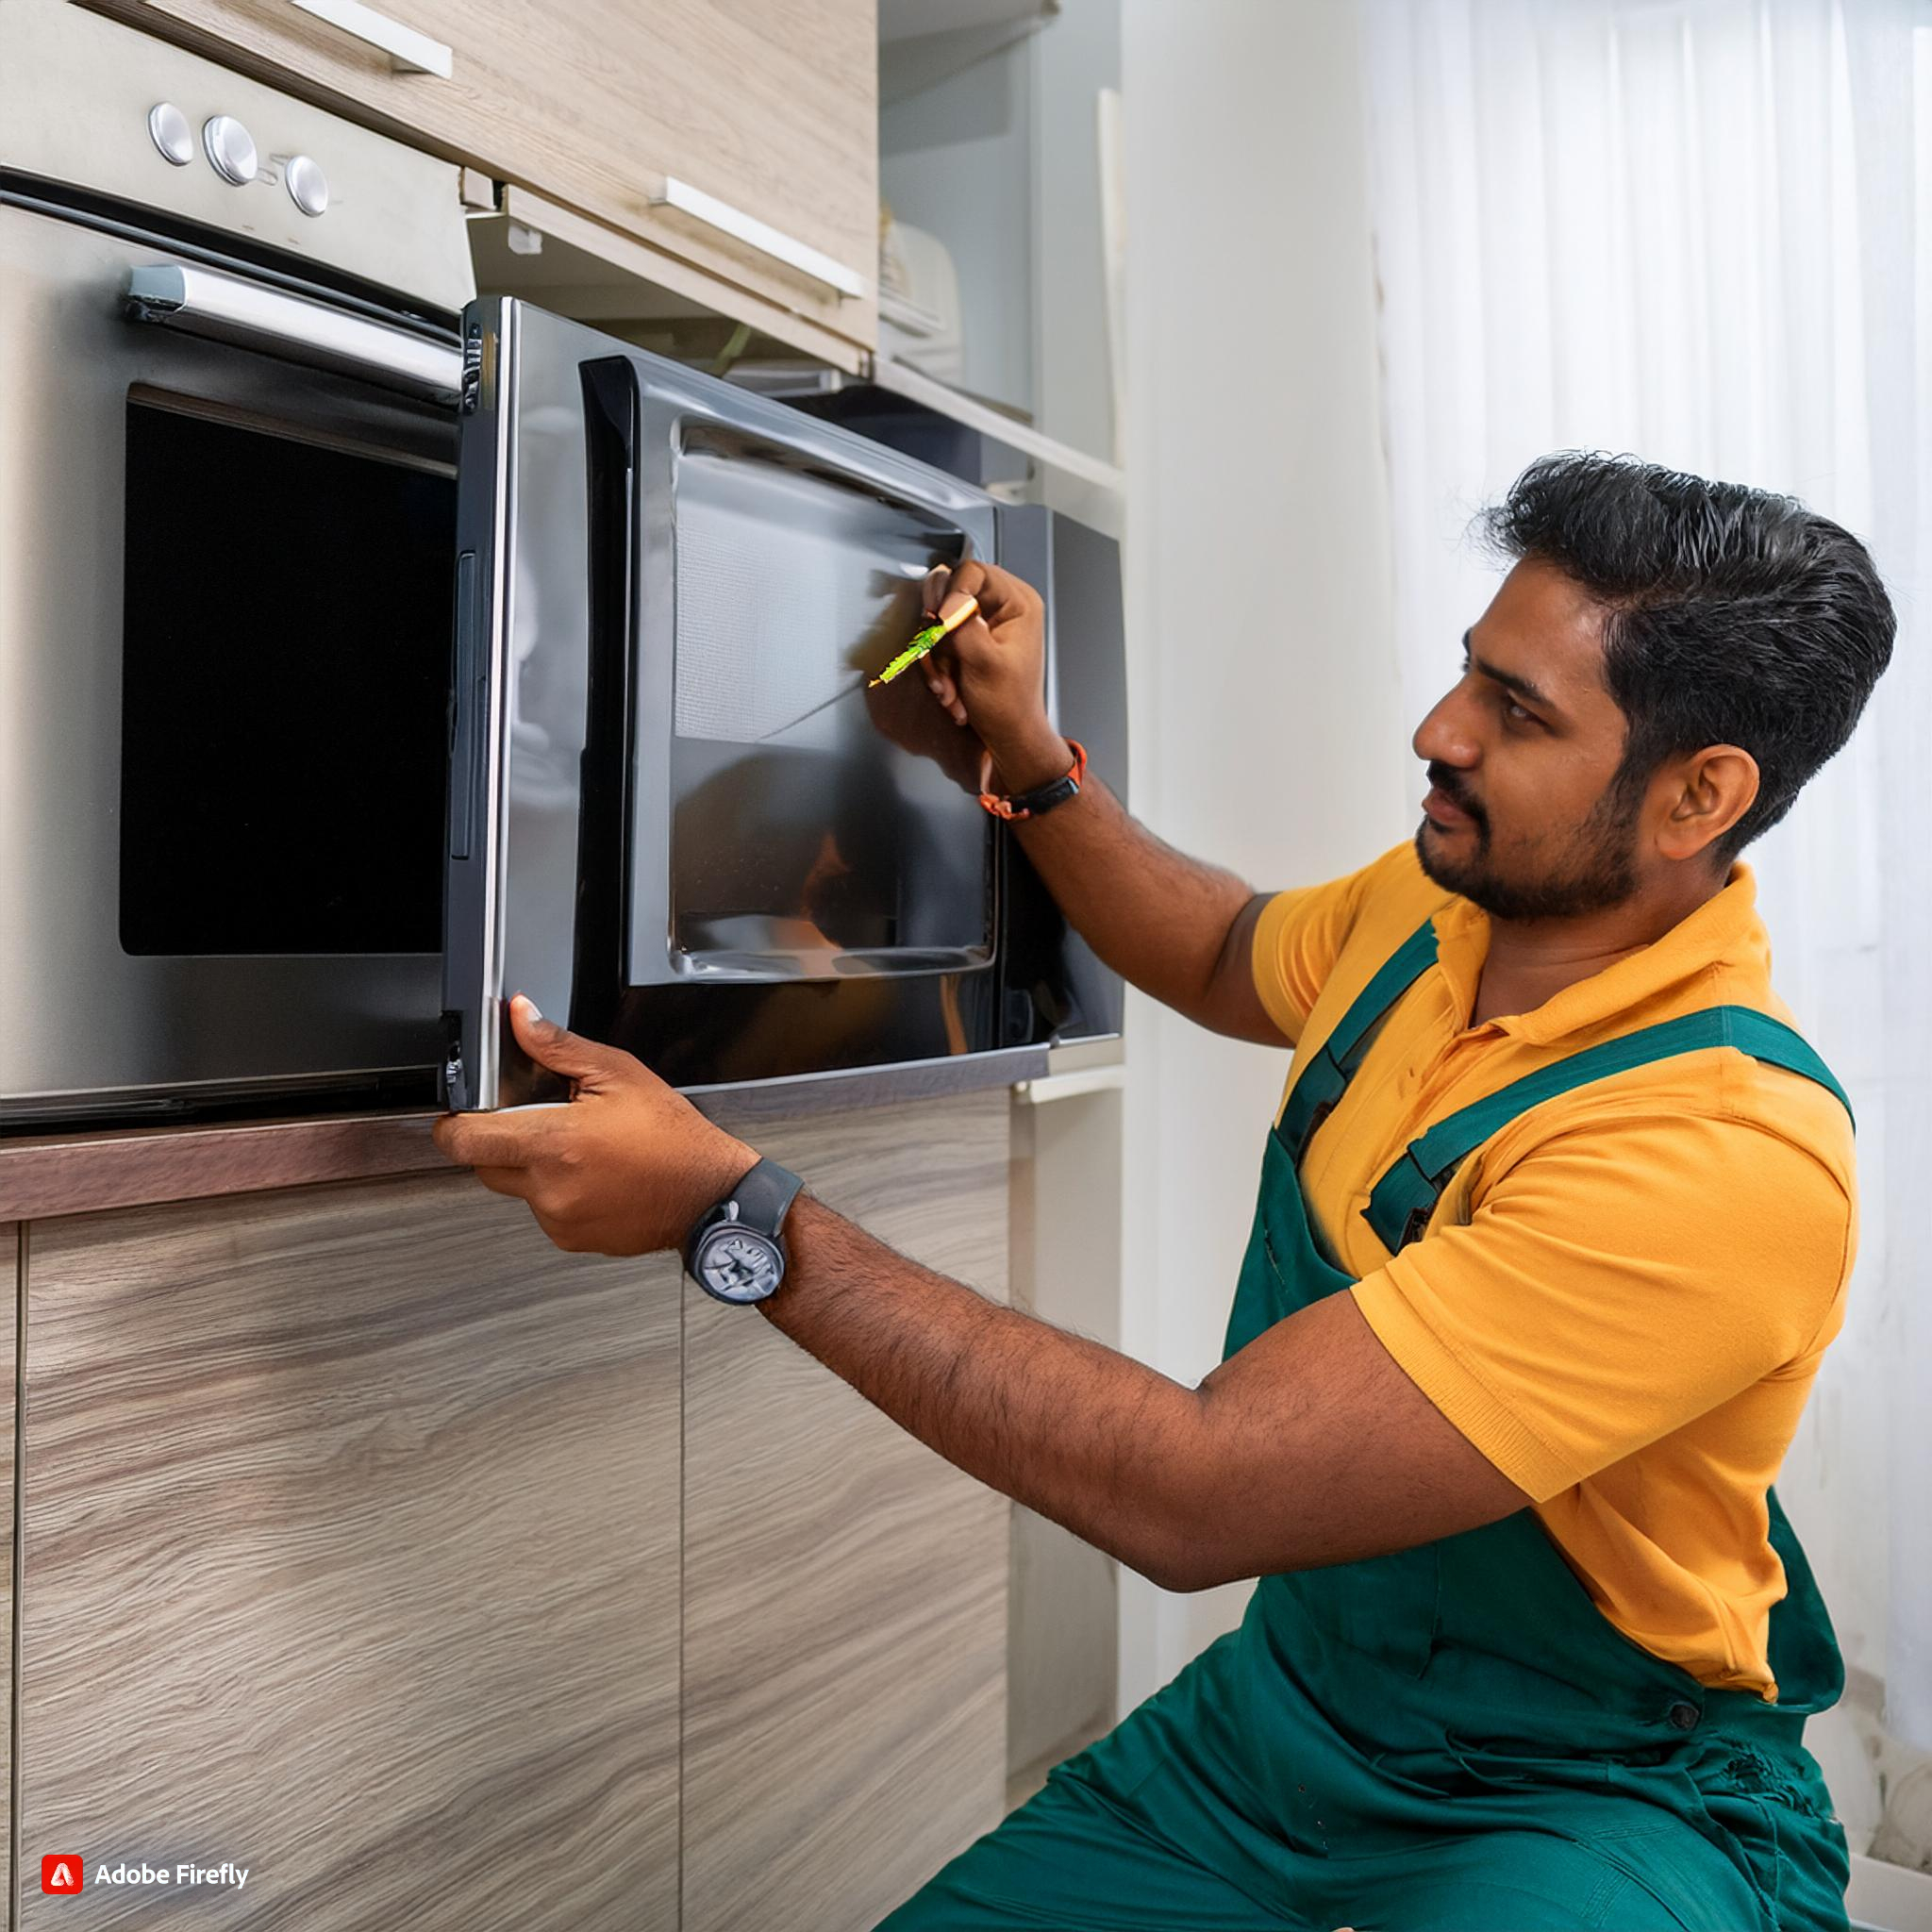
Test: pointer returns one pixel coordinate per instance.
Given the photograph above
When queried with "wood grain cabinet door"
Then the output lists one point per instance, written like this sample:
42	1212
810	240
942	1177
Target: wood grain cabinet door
768	106
11	1278
350	1556
845	1590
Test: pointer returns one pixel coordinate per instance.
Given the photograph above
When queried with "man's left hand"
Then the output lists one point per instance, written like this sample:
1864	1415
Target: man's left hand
623	1167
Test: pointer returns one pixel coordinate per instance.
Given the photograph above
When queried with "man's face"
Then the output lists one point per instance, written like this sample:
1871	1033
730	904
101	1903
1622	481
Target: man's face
1523	816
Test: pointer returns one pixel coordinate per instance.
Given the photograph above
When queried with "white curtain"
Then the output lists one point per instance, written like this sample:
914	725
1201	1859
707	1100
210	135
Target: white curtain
1687	229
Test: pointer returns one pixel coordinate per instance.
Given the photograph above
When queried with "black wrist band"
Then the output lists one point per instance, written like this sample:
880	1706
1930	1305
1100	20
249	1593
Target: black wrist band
1029	805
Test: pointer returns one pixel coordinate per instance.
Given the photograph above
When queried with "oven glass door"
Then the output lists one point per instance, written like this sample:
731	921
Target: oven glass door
678	813
284	688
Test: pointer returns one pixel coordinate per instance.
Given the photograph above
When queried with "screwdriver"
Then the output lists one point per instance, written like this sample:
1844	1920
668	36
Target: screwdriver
924	643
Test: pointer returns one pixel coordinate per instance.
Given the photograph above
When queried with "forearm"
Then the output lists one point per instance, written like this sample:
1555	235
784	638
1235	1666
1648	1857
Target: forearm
1159	918
1117	1453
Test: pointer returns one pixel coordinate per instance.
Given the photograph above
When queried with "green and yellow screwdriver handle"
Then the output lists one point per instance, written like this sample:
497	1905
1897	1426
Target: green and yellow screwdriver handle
924	643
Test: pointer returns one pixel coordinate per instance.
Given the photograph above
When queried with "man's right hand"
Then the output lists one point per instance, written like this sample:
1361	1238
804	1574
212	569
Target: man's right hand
1180	930
990	673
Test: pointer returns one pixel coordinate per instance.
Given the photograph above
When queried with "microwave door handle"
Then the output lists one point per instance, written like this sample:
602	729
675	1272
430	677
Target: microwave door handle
203	301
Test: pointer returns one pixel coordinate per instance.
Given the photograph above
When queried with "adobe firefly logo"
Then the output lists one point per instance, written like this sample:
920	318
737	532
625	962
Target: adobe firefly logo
61	1871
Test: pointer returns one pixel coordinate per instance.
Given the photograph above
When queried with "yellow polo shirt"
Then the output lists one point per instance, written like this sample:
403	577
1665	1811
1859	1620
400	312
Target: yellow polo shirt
1623	1295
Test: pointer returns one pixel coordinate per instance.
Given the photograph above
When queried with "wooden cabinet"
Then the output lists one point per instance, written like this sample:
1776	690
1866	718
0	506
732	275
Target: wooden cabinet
598	103
443	1579
844	1619
350	1555
9	1327
1062	1649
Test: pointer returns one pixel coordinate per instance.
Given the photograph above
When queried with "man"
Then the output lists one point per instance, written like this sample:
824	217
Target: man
1555	1225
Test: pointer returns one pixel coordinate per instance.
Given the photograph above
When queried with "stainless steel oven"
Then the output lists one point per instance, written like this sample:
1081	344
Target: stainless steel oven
227	507
223	686
369	653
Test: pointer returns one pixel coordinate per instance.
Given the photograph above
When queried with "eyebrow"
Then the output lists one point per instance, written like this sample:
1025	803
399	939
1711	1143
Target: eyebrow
1509	679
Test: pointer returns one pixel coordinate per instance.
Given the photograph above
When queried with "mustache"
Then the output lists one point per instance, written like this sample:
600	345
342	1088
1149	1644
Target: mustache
1451	786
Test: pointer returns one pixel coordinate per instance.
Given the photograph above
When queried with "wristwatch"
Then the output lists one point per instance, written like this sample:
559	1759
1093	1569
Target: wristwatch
735	1252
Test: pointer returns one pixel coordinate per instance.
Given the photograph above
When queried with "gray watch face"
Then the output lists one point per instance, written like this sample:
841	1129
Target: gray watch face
739	1264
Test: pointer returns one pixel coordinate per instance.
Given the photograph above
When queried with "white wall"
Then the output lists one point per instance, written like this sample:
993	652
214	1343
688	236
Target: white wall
1268	728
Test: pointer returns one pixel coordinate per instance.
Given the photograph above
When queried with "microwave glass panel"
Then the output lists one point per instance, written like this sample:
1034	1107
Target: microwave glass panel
285	689
818	828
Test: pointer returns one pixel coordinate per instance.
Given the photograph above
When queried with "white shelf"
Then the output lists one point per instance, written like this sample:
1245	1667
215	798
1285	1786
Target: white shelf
923	41
909	317
908	20
919	388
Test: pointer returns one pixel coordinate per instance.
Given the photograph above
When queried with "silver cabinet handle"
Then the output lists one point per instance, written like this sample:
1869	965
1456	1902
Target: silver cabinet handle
203	301
408	50
757	233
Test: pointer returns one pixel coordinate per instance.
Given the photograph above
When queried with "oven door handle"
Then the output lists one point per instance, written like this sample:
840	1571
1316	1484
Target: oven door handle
227	309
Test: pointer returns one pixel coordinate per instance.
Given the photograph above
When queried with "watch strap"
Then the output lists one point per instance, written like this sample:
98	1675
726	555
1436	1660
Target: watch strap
765	1195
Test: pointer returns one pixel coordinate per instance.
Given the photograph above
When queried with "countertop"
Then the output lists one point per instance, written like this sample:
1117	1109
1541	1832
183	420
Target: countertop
133	1167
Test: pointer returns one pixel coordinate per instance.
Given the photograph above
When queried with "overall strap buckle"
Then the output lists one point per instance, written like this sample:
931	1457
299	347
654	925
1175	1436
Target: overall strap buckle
1320	1084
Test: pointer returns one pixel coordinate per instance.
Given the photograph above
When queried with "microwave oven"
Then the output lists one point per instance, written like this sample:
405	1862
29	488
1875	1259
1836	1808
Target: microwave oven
367	657
679	815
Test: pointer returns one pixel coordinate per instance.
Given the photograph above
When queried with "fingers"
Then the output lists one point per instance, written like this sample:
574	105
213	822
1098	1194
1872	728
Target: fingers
1002	600
973	642
1002	596
494	1139
957	601
521	1186
963	580
944	687
563	1052
517	1182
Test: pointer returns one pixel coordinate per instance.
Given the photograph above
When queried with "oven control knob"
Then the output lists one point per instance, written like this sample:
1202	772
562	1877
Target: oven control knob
230	148
168	127
307	183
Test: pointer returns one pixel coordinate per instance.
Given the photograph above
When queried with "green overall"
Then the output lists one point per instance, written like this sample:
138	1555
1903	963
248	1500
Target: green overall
1451	1738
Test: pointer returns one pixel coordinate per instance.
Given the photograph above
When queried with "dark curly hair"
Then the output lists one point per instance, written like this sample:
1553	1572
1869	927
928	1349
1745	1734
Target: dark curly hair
1733	616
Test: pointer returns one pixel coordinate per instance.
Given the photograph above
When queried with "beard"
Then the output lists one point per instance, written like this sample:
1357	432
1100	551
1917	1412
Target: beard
1590	870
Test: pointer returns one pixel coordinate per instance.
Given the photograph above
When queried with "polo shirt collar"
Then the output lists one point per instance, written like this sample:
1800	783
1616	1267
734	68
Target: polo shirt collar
1726	928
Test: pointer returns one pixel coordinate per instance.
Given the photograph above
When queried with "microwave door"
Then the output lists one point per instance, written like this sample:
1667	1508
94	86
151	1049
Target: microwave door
676	812
545	517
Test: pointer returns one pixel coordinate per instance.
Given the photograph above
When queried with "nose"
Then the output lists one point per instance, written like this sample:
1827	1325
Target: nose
1445	736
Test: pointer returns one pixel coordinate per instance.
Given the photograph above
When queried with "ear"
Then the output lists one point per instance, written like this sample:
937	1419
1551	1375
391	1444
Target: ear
1713	791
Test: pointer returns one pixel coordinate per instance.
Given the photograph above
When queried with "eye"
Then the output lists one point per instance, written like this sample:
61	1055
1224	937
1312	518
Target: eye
1517	714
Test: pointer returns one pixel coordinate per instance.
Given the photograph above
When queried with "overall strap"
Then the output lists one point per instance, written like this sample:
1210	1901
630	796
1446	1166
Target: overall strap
1325	1077
1405	1196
